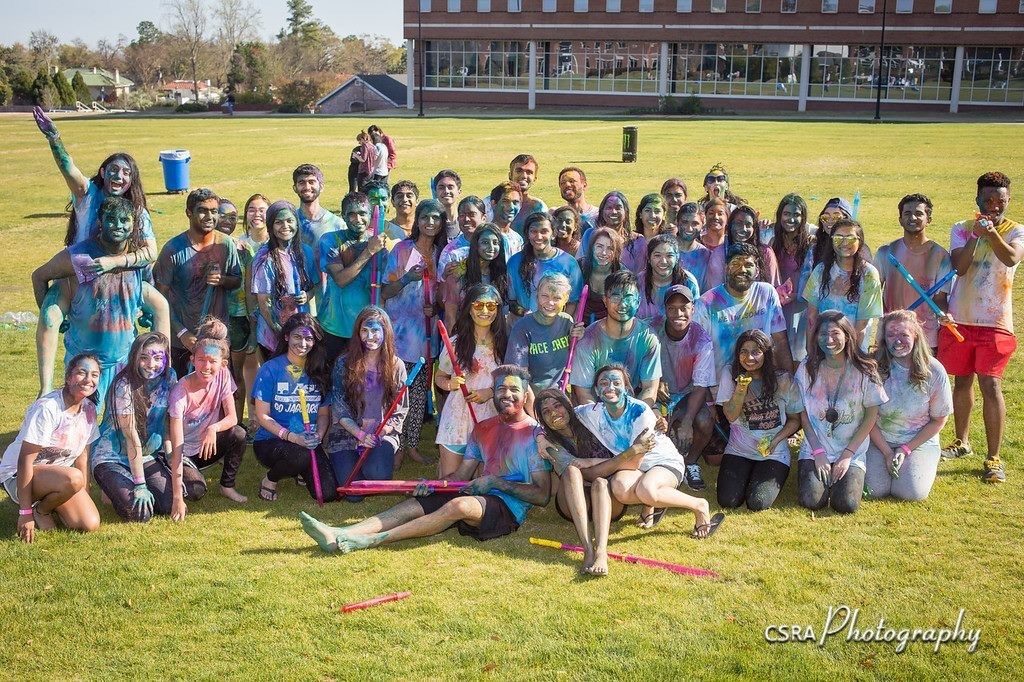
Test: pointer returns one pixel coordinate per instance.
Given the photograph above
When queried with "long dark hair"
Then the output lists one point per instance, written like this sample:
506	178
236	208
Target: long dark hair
854	356
497	269
272	251
357	365
75	362
829	259
648	199
465	341
571	243
441	238
803	235
587	261
135	194
623	229
316	361
755	238
678	273
528	259
583	443
140	397
769	372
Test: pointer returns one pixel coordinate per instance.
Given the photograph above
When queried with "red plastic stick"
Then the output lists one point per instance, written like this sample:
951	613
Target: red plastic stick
580	307
632	559
356	606
456	370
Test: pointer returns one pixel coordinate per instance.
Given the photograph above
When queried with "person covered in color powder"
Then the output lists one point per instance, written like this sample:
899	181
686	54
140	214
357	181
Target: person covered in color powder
661	271
228	212
447	186
614	214
479	339
926	260
118	176
846	281
584	465
742	228
523	171
364	383
540	341
513	478
44	470
604	256
764	407
620	338
716	220
693	255
314	220
568	227
985	253
284	275
673	195
649	223
903	457
282	443
408	295
471	215
129	459
841	390
539	257
104	306
619	420
485	263
572	186
716	186
203	424
195	271
688	373
792	242
507	202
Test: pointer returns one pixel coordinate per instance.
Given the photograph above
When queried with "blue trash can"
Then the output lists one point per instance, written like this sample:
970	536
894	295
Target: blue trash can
175	164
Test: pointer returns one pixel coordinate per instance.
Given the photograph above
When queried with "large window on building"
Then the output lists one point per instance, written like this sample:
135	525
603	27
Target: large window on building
866	6
687	5
943	6
515	5
580	6
600	66
788	6
829	6
613	6
753	6
478	64
549	6
424	5
454	5
646	6
483	6
993	74
986	6
718	6
904	6
850	72
736	69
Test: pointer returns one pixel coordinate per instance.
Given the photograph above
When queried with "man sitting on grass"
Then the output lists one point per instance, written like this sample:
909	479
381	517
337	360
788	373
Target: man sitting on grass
495	504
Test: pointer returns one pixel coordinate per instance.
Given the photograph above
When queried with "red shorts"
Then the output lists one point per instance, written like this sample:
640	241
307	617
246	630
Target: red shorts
985	350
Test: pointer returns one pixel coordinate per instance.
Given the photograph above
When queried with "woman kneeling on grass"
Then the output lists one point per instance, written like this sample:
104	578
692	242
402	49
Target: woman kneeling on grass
904	452
44	469
764	407
583	465
618	421
203	423
128	459
842	392
364	383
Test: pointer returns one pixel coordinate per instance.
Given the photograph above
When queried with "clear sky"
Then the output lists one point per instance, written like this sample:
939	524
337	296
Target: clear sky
91	21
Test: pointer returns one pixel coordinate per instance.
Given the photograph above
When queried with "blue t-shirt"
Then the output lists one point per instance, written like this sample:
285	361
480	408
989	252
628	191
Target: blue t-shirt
561	263
510	452
276	386
542	348
263	282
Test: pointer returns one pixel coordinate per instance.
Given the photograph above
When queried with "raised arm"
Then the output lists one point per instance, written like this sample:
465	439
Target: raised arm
75	179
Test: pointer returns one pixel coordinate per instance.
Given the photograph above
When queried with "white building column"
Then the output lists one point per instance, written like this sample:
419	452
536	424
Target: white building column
410	72
958	74
531	100
663	71
805	77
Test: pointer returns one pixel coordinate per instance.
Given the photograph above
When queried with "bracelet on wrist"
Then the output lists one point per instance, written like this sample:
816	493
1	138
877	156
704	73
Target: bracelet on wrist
818	451
182	332
904	449
139	480
25	512
281	434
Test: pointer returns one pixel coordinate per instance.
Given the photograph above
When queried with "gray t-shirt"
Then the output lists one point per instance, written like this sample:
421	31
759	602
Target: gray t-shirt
542	348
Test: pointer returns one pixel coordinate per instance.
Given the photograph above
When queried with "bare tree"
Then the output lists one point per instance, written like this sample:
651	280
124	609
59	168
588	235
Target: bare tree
237	22
44	48
188	25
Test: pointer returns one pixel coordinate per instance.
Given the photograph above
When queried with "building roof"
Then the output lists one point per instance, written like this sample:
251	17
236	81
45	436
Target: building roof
99	78
183	85
386	86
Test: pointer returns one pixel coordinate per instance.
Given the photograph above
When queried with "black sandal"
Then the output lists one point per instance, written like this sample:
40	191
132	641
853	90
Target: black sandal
266	492
711	527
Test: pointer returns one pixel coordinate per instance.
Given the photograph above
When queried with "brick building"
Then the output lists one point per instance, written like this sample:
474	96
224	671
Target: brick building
799	55
364	92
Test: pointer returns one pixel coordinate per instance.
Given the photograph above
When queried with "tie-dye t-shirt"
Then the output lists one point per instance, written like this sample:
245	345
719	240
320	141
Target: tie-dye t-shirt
760	418
509	451
182	270
561	263
726	317
868	305
619	434
311	230
340	305
111	446
911	407
513	244
588	219
541	348
983	297
87	215
238	306
715	274
264	274
455	423
928	266
454	251
371	392
695	261
856	394
655	306
686	363
406	309
639	351
276	386
197	417
61	436
634	253
529	206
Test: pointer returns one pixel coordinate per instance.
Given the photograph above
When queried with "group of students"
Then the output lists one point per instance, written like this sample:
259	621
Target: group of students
616	352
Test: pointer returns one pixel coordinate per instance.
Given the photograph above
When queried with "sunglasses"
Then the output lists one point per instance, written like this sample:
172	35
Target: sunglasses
839	240
715	178
484	306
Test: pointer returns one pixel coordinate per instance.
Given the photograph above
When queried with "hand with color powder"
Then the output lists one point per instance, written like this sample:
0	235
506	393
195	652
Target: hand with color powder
743	382
764	446
142	501
45	123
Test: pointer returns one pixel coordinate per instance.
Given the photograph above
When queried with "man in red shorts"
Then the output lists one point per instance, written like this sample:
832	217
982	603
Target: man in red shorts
985	253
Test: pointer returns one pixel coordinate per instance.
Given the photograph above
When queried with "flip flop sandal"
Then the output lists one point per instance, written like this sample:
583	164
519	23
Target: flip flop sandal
711	527
648	521
267	493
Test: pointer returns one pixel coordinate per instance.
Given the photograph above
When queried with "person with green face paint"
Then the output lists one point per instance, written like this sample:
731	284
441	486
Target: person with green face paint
104	307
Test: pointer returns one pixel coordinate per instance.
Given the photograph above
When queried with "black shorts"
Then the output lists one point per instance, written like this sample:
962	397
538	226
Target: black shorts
239	334
498	519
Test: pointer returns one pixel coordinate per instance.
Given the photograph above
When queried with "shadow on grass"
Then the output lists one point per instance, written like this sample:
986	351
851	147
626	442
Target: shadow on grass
46	215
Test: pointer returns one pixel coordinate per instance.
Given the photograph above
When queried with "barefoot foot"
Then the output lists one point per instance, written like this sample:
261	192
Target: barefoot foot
325	536
600	565
233	494
353	543
43	521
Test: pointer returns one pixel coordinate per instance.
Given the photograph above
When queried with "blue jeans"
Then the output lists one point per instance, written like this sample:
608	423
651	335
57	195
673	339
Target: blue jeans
379	464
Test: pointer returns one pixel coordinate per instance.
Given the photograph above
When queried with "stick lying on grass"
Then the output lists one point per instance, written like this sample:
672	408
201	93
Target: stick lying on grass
376	601
632	559
400	487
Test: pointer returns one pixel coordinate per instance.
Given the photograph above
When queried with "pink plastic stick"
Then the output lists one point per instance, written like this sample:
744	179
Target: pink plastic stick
580	307
356	606
653	563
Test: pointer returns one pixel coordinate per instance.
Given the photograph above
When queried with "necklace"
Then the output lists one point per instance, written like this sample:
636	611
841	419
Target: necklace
832	414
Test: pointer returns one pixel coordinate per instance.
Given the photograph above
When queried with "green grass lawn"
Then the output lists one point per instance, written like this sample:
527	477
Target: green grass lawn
240	591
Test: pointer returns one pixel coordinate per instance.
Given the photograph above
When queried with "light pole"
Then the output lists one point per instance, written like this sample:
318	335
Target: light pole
419	48
881	58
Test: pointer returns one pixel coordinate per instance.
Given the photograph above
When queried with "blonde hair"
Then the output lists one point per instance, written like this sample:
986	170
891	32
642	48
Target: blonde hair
212	332
920	354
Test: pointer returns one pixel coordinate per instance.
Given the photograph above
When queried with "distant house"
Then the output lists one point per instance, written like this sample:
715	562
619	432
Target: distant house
180	92
103	85
365	92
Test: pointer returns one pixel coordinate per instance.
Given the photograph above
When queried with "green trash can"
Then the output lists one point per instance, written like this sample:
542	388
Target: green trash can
630	136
